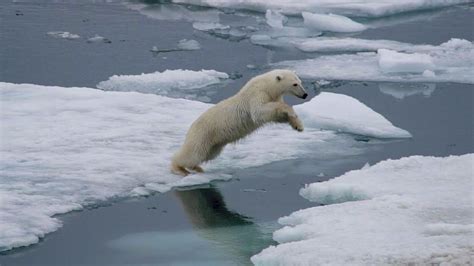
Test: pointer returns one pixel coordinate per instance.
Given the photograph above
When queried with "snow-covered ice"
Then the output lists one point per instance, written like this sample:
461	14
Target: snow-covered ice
275	19
451	61
415	210
208	26
326	111
332	44
63	35
63	148
97	38
396	62
175	12
287	36
172	83
352	8
185	44
331	22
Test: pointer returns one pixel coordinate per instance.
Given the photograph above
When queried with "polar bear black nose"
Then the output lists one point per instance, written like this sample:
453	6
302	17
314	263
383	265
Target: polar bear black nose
304	96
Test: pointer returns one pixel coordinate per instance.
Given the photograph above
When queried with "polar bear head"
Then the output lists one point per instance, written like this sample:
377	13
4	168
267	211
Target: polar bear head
287	82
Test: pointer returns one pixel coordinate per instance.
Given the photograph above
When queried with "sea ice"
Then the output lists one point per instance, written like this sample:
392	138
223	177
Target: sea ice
65	148
275	19
450	62
172	83
63	35
98	38
287	36
331	22
395	62
326	111
185	44
234	33
332	44
351	8
415	210
208	26
176	12
429	74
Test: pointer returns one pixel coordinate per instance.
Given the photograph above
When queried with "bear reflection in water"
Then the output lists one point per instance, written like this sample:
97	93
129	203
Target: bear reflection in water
236	234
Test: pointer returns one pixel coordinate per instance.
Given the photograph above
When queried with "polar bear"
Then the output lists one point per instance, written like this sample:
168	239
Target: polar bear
259	102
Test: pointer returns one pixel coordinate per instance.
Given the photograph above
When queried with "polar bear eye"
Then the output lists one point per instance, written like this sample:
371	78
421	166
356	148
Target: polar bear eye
295	84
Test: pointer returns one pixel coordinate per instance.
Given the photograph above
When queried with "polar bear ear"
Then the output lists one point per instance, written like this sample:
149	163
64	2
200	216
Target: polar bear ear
278	78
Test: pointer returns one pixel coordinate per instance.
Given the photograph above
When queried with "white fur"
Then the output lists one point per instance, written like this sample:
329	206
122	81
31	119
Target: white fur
259	102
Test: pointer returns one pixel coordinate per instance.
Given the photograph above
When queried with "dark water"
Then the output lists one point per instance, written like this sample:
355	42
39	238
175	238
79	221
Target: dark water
223	223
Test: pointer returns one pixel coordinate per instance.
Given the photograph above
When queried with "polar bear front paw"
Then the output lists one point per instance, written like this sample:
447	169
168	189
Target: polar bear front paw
296	124
298	128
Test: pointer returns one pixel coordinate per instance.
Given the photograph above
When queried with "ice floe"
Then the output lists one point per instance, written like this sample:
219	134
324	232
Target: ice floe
97	38
275	19
172	83
395	62
182	45
185	44
176	12
63	35
65	148
208	26
326	111
352	8
332	44
331	22
448	62
415	210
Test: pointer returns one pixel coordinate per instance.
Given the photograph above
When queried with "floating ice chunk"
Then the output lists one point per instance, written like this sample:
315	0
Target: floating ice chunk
261	39
254	190
429	74
331	22
63	35
269	41
70	147
331	44
232	33
176	12
450	61
343	113
395	62
275	19
208	26
366	8
402	90
185	44
173	83
98	38
283	37
410	207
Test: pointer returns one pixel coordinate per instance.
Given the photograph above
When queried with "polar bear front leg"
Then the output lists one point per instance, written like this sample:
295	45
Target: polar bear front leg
295	122
278	112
